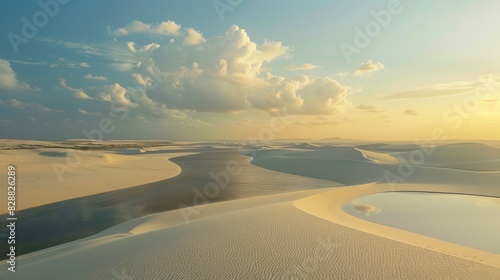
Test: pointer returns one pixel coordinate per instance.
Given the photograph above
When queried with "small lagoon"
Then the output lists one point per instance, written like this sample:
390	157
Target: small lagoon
469	220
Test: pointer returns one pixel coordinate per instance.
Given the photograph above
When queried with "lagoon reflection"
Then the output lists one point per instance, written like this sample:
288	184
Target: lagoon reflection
473	221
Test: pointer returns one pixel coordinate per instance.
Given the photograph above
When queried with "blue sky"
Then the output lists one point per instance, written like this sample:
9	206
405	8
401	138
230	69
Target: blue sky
198	70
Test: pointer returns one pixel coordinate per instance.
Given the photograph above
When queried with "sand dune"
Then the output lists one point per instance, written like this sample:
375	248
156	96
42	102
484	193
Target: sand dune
327	205
457	153
13	144
351	165
379	157
298	235
50	175
241	239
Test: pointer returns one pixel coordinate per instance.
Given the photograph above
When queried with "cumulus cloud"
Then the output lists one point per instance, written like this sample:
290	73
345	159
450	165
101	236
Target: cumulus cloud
8	78
78	93
299	95
369	67
116	93
227	74
193	37
168	28
158	110
165	28
305	66
97	78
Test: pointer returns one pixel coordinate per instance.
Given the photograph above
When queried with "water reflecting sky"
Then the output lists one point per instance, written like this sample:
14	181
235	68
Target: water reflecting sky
468	220
52	224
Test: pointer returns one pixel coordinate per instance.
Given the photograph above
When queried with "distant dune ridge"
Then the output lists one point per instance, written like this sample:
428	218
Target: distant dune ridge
298	235
464	164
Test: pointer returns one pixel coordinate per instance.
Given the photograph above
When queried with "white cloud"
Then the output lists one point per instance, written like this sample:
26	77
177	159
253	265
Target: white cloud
72	64
227	74
143	81
43	109
27	62
116	93
131	46
300	95
305	66
32	106
82	48
158	110
124	67
369	67
193	37
87	113
8	78
134	27
166	28
83	112
78	92
16	103
97	78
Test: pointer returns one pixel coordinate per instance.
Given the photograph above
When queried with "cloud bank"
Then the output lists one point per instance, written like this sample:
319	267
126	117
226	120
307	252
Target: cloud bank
228	74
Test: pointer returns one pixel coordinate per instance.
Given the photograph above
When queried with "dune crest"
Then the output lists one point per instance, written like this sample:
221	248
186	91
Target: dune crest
328	205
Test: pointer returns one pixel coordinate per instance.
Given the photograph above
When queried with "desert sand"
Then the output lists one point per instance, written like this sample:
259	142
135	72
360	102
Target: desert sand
48	175
298	235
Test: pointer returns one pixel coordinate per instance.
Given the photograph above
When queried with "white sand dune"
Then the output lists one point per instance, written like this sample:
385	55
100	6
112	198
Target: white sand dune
299	235
50	175
351	165
296	235
378	157
327	205
462	155
10	144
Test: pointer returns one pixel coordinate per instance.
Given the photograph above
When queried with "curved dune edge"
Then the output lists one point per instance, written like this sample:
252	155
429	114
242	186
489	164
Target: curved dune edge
380	158
328	206
44	180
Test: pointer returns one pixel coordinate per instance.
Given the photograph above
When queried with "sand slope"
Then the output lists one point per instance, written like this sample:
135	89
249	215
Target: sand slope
257	238
299	235
49	175
464	164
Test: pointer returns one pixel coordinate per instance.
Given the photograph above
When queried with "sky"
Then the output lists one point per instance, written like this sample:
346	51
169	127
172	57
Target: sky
241	70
